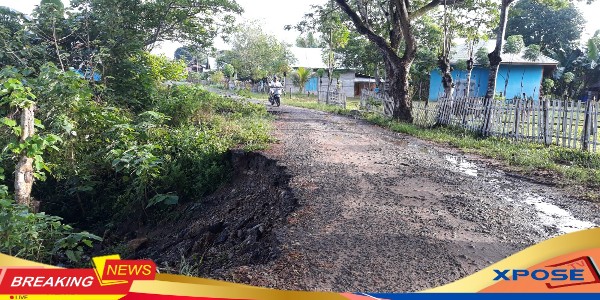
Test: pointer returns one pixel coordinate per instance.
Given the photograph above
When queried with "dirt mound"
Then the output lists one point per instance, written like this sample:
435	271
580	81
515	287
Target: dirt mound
235	226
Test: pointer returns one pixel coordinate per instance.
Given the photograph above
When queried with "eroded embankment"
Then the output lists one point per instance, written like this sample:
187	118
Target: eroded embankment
233	227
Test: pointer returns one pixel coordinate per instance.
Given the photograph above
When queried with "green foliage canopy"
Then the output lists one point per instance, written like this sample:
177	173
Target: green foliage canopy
555	29
255	54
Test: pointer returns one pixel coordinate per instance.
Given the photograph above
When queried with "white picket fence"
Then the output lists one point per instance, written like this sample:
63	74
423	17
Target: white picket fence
334	97
566	123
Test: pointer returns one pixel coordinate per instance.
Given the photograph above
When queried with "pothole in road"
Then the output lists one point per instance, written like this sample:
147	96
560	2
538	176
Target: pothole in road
462	165
554	216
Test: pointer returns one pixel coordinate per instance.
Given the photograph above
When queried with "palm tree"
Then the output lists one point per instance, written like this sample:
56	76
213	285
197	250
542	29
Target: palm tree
303	77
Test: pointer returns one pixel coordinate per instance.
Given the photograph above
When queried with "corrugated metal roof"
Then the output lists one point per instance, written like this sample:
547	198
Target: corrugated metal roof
311	58
460	52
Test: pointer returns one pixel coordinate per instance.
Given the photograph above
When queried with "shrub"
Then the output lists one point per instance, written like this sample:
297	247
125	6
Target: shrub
38	236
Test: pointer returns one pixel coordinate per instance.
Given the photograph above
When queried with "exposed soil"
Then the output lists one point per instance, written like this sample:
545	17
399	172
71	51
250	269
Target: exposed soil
342	205
231	228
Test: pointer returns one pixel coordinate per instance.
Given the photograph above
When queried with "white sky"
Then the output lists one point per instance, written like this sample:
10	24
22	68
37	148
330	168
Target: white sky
275	14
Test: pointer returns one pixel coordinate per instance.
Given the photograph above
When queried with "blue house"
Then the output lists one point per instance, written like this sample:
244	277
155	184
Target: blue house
516	76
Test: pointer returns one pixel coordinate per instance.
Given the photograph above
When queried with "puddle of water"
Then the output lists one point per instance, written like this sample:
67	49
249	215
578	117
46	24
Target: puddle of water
554	216
462	165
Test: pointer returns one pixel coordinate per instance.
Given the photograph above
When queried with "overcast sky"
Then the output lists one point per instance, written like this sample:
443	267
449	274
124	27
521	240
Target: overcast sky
275	14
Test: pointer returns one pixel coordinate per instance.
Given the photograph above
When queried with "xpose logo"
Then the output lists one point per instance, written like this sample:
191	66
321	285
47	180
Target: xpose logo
541	274
579	271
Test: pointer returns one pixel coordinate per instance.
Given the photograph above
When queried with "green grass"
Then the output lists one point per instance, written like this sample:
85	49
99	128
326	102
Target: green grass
577	166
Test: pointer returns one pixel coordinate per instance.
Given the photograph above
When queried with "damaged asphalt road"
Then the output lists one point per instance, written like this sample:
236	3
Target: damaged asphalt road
384	212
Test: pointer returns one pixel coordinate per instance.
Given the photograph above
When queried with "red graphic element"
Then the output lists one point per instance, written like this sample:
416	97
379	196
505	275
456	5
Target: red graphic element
129	270
40	281
585	263
56	282
140	296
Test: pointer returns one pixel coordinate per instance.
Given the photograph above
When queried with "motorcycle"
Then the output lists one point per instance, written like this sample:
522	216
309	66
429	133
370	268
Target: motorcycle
275	99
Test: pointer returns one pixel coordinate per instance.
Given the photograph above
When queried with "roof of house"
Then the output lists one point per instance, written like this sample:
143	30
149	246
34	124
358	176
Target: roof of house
311	58
460	52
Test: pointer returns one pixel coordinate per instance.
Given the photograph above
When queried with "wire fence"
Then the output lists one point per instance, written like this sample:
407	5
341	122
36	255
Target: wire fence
565	123
333	97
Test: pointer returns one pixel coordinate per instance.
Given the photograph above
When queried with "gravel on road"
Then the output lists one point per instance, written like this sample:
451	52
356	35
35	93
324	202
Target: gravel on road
385	212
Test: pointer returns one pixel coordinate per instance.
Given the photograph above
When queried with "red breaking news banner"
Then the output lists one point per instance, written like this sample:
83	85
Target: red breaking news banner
56	282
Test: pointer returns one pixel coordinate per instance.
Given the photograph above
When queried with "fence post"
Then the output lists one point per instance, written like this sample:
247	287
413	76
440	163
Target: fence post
487	116
517	119
587	126
546	128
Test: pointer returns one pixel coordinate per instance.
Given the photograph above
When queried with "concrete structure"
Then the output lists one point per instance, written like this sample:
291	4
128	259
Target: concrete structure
350	82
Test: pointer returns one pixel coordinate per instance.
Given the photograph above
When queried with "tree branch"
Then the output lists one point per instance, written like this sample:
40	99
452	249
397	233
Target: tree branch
363	29
429	6
404	18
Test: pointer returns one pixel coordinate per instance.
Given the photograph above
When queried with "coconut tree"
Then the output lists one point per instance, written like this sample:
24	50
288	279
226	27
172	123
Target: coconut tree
303	75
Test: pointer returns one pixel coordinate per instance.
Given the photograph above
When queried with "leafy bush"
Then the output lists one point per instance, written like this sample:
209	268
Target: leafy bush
37	236
175	152
114	162
141	76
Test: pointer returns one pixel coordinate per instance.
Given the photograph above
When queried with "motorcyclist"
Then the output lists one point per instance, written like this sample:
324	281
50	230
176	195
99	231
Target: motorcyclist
275	90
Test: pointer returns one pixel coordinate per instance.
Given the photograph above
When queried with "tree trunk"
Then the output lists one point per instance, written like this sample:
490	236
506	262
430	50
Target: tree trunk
24	169
399	90
330	75
495	60
447	81
469	75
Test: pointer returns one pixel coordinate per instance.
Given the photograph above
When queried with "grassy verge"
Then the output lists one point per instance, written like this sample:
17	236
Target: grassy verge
577	166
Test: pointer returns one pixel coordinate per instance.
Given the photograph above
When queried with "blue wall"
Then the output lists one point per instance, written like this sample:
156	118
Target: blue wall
531	75
311	85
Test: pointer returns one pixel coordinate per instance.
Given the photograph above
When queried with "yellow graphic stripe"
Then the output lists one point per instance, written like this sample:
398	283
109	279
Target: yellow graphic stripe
65	297
226	292
562	245
9	261
202	281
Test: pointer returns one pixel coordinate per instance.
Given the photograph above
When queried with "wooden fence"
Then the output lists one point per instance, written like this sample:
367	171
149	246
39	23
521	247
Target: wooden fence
334	97
565	123
376	102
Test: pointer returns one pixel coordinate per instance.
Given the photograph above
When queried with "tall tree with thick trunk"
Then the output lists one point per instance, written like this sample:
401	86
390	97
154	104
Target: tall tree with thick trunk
395	39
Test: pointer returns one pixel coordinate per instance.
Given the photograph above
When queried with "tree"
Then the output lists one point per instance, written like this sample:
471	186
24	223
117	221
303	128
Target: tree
106	33
255	54
481	57
26	146
593	46
360	54
194	21
303	75
390	26
12	38
228	71
307	42
532	52
496	59
531	19
329	24
50	27
547	86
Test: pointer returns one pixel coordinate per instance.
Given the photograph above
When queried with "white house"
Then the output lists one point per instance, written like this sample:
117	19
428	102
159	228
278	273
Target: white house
350	82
